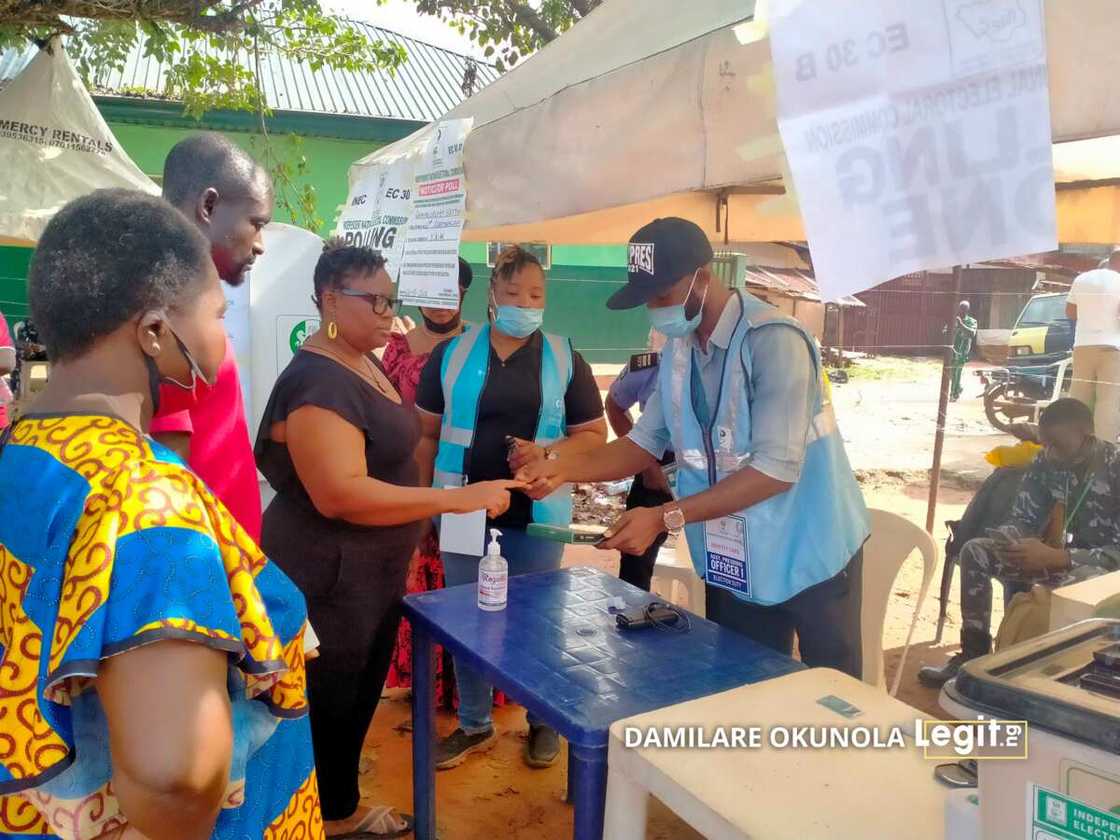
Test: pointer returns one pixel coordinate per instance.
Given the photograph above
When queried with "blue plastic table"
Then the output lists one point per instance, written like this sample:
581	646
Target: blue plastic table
556	650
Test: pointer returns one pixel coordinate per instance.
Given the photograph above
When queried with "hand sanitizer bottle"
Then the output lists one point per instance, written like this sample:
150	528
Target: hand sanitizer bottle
493	576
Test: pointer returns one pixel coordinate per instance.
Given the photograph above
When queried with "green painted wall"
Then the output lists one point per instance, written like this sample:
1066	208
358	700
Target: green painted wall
13	282
580	280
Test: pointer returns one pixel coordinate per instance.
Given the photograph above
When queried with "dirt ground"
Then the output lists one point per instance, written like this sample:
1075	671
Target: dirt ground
887	413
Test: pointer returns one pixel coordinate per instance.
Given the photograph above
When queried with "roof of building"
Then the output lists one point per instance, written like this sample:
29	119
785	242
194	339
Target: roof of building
791	282
425	86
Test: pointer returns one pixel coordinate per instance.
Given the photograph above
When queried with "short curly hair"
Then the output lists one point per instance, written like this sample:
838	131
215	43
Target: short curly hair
105	258
339	261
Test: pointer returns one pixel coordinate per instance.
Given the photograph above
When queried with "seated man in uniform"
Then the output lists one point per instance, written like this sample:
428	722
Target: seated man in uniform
1064	528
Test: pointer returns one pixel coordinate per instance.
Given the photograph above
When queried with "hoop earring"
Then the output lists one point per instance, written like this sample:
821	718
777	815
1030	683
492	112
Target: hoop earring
332	330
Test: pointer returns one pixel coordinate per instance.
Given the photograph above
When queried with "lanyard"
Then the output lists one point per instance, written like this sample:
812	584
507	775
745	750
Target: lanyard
1081	498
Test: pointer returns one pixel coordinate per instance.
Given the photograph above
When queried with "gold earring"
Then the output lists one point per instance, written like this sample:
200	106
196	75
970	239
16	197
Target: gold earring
332	330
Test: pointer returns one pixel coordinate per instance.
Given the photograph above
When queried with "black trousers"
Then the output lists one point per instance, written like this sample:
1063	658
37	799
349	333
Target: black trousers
825	617
353	588
637	569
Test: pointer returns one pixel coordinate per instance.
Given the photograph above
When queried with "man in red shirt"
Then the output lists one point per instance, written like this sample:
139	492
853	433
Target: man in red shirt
228	195
7	365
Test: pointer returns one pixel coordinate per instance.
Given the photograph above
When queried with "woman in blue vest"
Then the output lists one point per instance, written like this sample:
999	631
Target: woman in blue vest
493	400
774	518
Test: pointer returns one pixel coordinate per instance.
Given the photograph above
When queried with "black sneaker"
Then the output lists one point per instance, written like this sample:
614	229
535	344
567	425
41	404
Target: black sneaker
933	677
453	750
543	746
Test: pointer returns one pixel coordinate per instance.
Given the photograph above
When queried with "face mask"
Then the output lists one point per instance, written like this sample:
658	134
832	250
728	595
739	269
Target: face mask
155	378
517	321
672	321
443	329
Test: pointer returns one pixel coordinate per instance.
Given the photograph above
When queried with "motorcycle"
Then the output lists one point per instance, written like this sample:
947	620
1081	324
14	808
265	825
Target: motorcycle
1016	394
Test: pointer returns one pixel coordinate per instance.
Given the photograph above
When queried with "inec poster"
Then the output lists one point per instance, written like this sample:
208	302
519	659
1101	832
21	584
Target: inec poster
917	133
377	210
412	209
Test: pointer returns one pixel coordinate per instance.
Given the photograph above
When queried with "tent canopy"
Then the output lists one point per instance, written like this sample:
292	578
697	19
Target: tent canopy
657	107
55	146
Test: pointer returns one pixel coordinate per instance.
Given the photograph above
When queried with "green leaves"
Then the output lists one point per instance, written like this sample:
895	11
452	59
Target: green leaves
211	47
509	29
290	169
214	54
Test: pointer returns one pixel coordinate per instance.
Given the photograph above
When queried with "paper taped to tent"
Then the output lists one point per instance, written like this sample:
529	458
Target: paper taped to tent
655	107
55	147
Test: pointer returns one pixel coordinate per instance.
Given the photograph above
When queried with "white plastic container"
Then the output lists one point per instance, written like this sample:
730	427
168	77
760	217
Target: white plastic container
493	576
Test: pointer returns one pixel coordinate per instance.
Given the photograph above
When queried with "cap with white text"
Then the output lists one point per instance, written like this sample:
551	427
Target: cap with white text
659	255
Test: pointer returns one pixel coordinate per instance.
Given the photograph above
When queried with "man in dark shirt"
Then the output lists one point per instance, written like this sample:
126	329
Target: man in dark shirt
635	384
1064	528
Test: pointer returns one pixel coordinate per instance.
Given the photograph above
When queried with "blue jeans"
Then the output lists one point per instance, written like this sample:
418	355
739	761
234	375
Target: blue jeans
524	554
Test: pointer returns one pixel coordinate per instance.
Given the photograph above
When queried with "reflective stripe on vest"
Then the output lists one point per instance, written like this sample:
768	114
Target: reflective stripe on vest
463	375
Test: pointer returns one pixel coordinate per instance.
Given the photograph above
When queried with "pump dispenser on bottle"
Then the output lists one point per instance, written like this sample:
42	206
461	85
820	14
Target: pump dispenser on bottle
493	576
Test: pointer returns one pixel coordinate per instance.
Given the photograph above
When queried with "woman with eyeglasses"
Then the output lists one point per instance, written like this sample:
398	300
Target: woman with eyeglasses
336	443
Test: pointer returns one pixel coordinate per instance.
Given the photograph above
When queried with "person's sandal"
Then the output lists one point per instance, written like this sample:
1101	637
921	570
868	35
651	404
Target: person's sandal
378	824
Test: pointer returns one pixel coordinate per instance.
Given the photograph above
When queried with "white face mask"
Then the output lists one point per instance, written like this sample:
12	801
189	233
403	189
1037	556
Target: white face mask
155	378
673	321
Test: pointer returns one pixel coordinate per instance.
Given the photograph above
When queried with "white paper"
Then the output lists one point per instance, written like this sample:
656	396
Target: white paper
430	273
463	533
918	133
377	212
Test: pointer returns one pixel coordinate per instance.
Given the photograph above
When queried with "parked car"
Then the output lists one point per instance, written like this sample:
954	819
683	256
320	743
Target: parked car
1038	363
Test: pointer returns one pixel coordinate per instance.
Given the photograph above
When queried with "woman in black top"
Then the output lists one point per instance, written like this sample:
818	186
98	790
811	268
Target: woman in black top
507	410
336	443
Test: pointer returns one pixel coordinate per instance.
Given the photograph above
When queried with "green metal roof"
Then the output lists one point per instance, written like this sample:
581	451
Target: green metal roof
421	90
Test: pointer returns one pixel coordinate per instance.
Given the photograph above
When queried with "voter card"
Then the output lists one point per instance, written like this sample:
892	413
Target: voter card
728	560
463	533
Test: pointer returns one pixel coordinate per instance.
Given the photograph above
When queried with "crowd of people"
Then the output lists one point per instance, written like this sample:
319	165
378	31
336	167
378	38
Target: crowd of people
172	650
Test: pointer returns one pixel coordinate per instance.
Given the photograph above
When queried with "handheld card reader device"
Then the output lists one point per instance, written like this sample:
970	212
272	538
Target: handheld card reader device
654	614
571	534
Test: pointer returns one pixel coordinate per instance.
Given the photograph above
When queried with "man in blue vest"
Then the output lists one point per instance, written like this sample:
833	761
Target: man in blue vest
774	518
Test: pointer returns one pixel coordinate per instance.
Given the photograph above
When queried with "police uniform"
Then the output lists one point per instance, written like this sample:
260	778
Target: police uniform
634	385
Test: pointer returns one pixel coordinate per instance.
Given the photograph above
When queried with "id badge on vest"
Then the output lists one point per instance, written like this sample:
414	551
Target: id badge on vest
727	557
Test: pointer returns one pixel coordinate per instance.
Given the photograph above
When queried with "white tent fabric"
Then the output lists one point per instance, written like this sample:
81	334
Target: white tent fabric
54	146
650	107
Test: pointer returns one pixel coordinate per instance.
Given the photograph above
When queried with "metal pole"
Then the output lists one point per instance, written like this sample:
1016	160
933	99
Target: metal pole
942	405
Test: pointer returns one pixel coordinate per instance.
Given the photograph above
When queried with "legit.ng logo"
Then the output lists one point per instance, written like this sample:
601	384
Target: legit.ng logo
301	332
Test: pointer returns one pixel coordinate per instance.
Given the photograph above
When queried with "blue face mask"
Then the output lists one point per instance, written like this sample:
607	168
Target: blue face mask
672	321
518	321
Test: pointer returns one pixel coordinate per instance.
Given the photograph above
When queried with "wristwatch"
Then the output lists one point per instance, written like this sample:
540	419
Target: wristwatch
673	517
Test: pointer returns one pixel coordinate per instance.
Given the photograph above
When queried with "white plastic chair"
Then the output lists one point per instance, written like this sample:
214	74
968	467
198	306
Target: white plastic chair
674	566
893	539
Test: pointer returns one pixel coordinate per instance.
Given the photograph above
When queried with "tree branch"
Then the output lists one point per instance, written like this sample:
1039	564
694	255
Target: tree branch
191	13
524	14
583	7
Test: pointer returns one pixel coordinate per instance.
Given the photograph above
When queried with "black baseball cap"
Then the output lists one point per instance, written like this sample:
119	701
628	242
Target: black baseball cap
659	255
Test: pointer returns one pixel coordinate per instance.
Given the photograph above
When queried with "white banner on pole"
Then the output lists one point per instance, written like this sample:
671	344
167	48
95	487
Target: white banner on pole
918	133
411	208
377	210
430	274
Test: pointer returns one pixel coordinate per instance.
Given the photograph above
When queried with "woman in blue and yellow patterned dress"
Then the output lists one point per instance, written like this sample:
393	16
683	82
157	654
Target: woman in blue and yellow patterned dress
151	658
